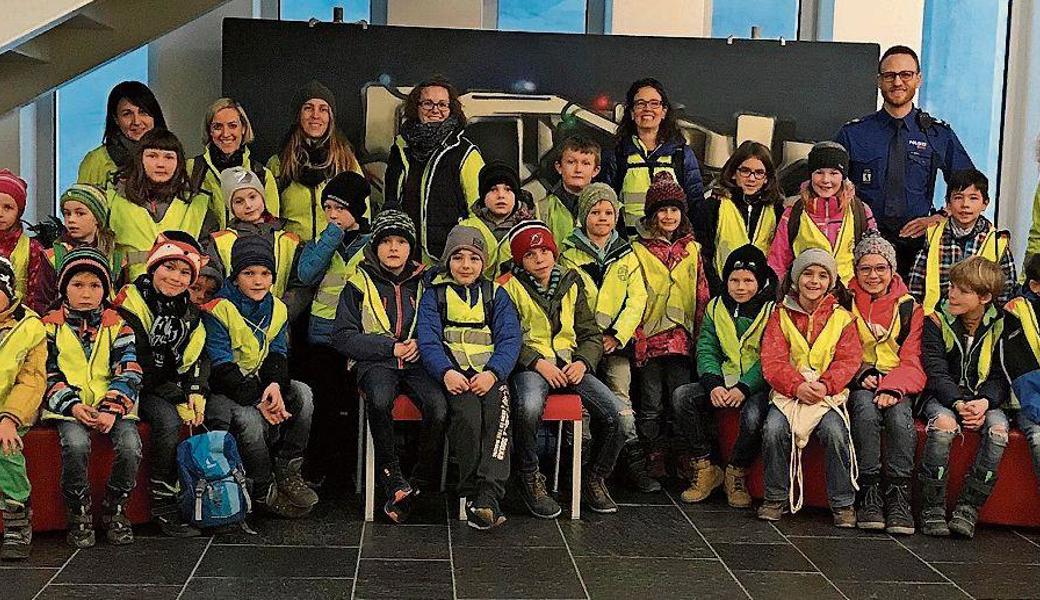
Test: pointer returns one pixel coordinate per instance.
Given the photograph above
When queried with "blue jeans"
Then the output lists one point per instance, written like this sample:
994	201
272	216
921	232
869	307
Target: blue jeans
692	413
530	391
658	380
1031	429
776	452
896	423
161	416
752	419
75	455
936	457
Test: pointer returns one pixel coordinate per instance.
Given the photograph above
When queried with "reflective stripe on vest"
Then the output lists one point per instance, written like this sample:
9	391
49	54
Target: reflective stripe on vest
671	294
136	231
326	299
817	357
285	244
20	263
989	342
638	175
811	236
731	232
15	344
881	352
374	319
89	375
250	343
130	299
466	332
1023	309
993	247
741	351
608	299
538	330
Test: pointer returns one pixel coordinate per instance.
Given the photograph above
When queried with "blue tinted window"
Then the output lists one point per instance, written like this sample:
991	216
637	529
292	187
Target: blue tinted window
559	16
304	10
776	18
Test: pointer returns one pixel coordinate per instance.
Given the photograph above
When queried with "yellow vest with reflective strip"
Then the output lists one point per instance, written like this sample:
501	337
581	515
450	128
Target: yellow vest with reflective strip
554	213
732	231
638	176
671	294
741	351
285	245
993	248
498	251
811	236
249	352
326	299
617	292
136	232
817	357
466	333
374	319
882	352
15	344
20	262
535	324
130	299
989	343
1023	309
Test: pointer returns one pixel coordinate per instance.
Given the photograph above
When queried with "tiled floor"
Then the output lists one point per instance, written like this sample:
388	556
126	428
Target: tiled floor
654	549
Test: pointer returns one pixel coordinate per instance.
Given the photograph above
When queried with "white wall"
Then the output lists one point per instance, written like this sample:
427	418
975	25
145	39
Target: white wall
680	18
23	18
884	22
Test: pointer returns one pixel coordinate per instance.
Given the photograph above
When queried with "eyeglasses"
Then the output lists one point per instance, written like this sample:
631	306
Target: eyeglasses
645	104
430	105
752	173
866	270
890	76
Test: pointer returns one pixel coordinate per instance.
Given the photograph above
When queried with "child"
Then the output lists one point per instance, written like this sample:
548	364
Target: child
23	364
966	388
84	208
170	340
246	342
561	348
249	216
34	275
375	327
616	290
469	338
815	352
677	294
578	165
93	382
497	210
828	214
890	324
1021	354
965	232
205	287
730	375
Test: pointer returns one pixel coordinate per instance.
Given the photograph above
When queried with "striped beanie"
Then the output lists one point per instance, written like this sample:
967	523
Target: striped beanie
82	259
91	196
15	187
664	191
392	222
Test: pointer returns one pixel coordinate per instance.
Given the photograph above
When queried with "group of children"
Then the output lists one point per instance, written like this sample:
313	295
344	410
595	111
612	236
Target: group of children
794	315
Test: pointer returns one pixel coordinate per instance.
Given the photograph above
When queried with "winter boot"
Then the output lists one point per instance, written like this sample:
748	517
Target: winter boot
17	530
80	532
871	512
933	506
166	513
635	461
655	466
596	496
974	494
536	497
400	495
772	510
276	503
118	530
735	485
291	484
706	478
899	518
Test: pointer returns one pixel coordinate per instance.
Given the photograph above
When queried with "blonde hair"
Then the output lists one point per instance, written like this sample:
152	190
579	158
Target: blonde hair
293	155
979	275
219	105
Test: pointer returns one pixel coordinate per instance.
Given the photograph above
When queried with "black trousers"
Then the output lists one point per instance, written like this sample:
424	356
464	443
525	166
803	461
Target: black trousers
479	436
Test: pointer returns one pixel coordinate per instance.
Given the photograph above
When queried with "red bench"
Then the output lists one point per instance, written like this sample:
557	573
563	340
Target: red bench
1015	500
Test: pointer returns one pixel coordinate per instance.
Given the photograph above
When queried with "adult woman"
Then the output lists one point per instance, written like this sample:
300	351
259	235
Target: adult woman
649	141
132	112
226	135
433	170
312	153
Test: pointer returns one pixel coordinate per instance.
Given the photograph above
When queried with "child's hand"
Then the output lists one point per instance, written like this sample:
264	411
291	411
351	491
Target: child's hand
610	344
407	351
718	396
10	441
884	400
456	383
735	397
481	383
197	403
807	394
556	378
268	412
105	422
870	382
87	415
575	371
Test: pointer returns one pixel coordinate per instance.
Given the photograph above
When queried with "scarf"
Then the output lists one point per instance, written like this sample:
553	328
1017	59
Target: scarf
223	161
121	150
172	323
546	292
425	138
317	153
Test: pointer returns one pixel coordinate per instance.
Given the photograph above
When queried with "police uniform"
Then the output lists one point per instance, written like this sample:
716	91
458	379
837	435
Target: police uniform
929	145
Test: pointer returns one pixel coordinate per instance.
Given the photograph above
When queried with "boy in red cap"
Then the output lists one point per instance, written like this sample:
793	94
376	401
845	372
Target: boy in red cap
33	272
561	346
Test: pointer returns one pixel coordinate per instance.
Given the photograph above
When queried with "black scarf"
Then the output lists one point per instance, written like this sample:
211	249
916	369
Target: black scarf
223	161
121	150
317	154
173	319
425	138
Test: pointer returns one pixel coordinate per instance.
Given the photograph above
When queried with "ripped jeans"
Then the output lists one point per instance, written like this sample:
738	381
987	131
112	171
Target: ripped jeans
993	435
1031	430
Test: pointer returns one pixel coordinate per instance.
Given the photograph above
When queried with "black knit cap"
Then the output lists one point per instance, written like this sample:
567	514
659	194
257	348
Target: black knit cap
748	258
495	173
312	89
83	259
392	222
829	155
251	251
350	190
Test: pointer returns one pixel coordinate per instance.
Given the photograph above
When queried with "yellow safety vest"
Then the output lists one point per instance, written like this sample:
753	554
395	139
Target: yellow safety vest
619	303
498	251
136	231
1023	309
97	167
741	351
20	262
536	326
326	299
15	344
638	176
285	245
130	298
989	343
467	333
671	294
248	351
811	236
374	319
218	205
817	357
732	233
553	213
993	248
882	352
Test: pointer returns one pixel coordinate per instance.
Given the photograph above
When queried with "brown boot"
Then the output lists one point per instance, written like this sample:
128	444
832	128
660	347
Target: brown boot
736	487
707	477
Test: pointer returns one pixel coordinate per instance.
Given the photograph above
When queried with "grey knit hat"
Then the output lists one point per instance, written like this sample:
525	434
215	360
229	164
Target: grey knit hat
593	194
873	243
237	178
814	256
464	237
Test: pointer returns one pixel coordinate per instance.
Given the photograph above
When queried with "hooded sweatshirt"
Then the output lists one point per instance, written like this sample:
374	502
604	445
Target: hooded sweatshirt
878	313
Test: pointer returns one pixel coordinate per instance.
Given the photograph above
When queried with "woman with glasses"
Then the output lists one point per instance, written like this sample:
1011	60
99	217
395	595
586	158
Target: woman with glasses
744	207
433	169
649	141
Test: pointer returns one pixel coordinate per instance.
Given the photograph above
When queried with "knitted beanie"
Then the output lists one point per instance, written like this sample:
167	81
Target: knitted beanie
177	245
15	187
593	194
748	258
829	155
312	89
527	236
82	259
392	222
236	178
663	191
495	173
873	243
7	280
818	257
464	237
350	190
91	196
252	251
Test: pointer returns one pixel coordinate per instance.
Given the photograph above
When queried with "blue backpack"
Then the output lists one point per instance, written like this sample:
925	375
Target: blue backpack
213	480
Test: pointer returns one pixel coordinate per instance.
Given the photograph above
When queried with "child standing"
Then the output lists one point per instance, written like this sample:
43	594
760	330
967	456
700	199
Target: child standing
84	208
1021	353
497	210
23	378
577	164
469	338
93	382
34	275
966	388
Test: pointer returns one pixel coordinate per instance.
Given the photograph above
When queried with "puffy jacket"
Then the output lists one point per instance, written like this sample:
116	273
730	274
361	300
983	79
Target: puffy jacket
1020	356
38	278
22	393
878	314
615	165
314	261
950	376
711	356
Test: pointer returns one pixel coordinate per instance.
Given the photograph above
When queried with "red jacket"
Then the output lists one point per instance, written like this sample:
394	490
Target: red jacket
41	287
777	368
908	377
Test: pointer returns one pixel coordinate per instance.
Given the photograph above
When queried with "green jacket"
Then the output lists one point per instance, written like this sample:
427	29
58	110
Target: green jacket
710	357
97	167
555	214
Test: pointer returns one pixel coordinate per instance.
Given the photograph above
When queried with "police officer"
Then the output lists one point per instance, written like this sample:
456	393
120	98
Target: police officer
895	154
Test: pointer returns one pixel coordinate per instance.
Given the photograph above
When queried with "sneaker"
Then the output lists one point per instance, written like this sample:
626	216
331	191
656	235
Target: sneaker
871	514
933	521
291	483
735	485
484	516
596	496
705	479
399	504
536	497
772	510
844	517
898	517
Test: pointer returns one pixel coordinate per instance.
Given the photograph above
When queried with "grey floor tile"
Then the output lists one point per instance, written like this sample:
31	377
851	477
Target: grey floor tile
864	559
327	526
784	586
157	561
860	590
990	546
48	550
762	557
286	561
402	579
408	541
518	530
645	531
640	578
985	581
741	527
516	573
268	588
110	592
23	584
816	522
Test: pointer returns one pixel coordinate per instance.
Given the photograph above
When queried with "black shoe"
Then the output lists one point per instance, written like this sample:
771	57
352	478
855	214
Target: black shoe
871	512
933	506
172	525
17	531
977	489
118	530
291	484
399	504
963	519
484	515
899	519
80	532
536	497
596	496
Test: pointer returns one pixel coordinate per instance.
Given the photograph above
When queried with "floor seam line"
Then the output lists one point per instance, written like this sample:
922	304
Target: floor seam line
194	569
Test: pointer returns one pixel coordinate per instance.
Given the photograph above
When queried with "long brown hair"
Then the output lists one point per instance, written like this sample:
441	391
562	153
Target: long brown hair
138	188
751	149
411	103
293	156
669	128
